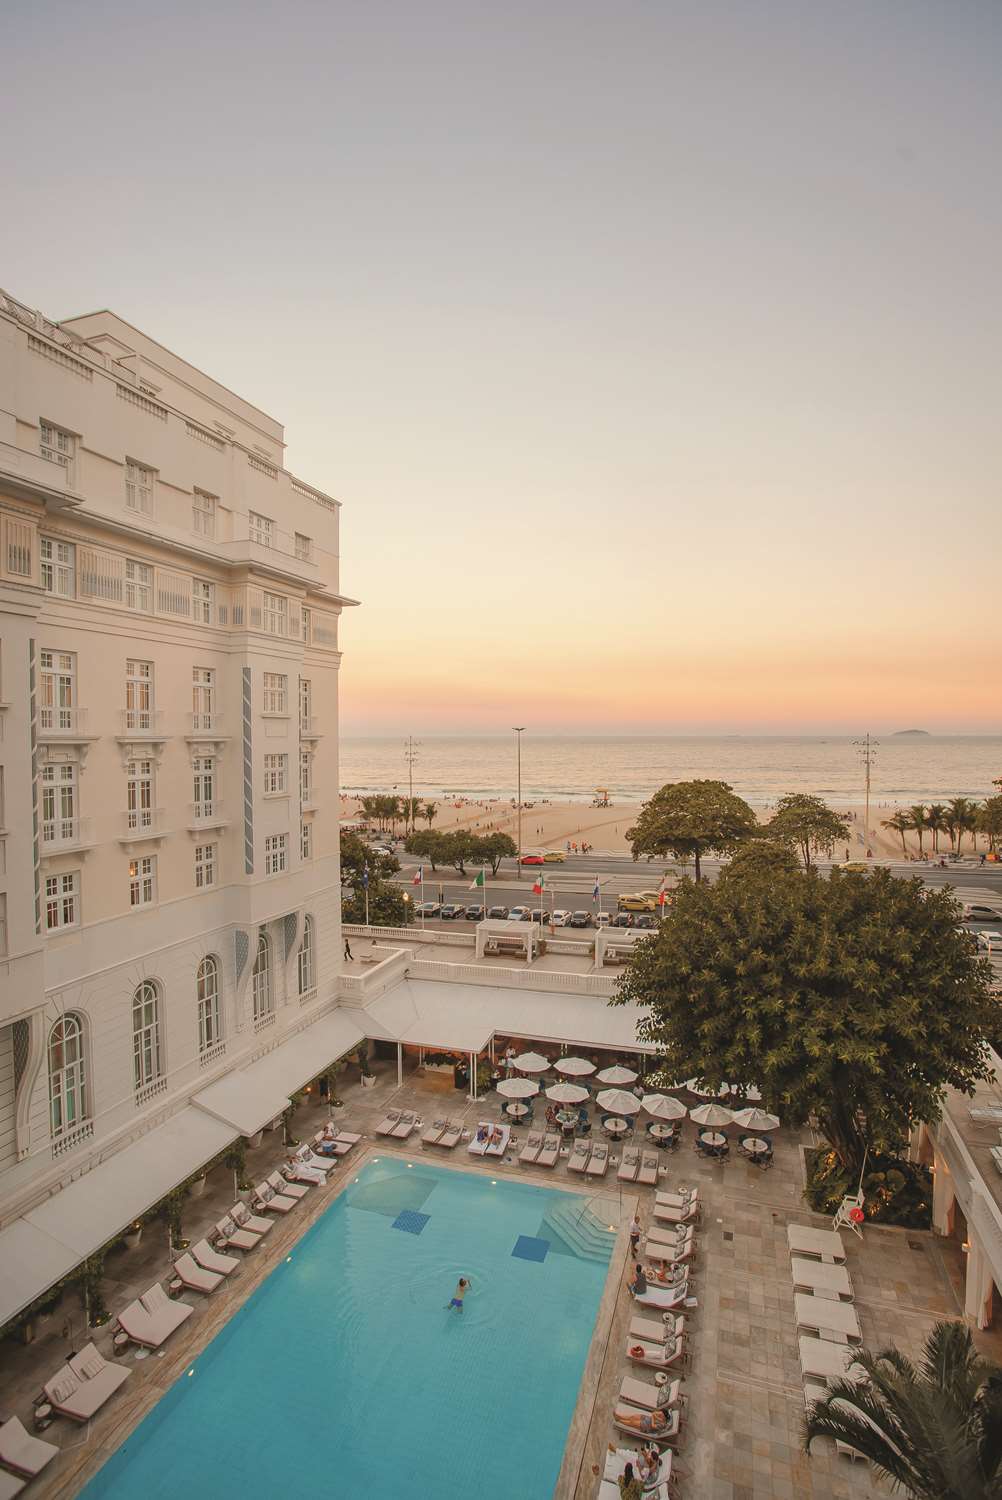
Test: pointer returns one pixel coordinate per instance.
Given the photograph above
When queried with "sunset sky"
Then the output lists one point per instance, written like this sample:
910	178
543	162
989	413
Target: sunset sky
654	349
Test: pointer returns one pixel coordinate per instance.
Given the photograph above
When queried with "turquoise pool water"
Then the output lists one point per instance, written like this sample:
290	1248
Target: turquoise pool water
345	1375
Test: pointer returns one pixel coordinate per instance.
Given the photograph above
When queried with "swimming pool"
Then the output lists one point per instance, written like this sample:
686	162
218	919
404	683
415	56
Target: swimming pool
345	1374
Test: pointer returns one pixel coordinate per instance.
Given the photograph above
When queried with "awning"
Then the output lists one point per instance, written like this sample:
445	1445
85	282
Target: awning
49	1241
420	1015
251	1097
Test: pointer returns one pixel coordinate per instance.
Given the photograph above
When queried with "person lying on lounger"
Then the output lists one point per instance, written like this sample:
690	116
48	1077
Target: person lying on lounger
481	1132
643	1421
496	1137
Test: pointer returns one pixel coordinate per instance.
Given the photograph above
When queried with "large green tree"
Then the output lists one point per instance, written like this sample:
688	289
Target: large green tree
808	823
689	819
434	847
990	820
934	1429
386	902
764	857
853	999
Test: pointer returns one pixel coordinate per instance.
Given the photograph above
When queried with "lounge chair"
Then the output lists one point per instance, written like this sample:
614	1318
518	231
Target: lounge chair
550	1153
254	1223
657	1234
389	1122
666	1214
452	1136
330	1145
486	1147
297	1171
657	1356
404	1126
578	1160
664	1297
23	1452
533	1145
648	1174
662	1426
166	1312
268	1201
342	1138
678	1199
650	1397
434	1133
288	1189
194	1276
630	1165
11	1485
598	1161
211	1260
309	1158
652	1332
499	1147
233	1237
151	1326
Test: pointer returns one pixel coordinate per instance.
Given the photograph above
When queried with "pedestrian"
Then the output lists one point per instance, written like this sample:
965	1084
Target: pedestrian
347	949
461	1289
635	1232
847	853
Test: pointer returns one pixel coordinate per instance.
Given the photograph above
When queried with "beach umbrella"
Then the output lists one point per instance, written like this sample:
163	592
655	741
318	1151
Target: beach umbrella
711	1114
531	1062
518	1088
616	1075
755	1119
663	1107
618	1102
567	1093
575	1067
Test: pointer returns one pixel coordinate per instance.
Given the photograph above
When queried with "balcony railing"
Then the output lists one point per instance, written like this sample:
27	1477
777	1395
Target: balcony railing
205	723
61	723
309	726
142	822
209	813
65	833
142	722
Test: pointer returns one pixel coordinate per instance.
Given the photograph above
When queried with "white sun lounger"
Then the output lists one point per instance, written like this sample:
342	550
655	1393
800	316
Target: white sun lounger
270	1201
657	1356
309	1158
533	1145
150	1321
453	1135
253	1223
825	1315
823	1244
630	1165
632	1420
608	1489
389	1122
661	1235
194	1276
434	1132
816	1276
580	1152
652	1332
485	1148
676	1199
23	1452
211	1260
331	1143
648	1174
598	1161
11	1485
550	1154
286	1187
650	1397
230	1234
404	1126
666	1213
297	1171
827	1361
664	1297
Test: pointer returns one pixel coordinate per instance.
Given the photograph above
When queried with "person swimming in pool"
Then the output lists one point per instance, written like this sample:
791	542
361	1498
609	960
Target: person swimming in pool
461	1290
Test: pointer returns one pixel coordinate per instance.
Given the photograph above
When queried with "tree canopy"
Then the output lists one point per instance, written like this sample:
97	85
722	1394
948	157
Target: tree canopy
763	856
854	999
386	902
808	823
689	819
461	848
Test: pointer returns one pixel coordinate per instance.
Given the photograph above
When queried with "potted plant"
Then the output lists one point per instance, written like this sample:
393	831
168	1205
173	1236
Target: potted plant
362	1056
236	1159
288	1114
171	1209
335	1103
90	1283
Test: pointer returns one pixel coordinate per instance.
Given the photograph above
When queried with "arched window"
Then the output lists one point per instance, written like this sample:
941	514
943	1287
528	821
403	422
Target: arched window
264	1004
147	1047
307	975
210	1031
68	1103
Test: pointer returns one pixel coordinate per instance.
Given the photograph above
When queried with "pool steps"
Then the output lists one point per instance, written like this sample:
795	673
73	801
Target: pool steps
580	1230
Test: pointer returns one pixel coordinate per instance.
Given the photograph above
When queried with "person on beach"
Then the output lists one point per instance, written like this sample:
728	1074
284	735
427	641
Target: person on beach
462	1288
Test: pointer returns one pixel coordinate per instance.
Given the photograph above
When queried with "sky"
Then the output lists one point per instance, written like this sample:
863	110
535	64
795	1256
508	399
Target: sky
652	348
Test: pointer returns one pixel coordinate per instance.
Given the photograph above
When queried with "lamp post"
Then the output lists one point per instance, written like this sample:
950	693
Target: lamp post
518	728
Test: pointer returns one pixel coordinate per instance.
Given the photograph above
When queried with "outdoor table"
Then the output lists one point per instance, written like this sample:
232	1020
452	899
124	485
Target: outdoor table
755	1146
616	1460
516	1110
713	1139
616	1127
660	1132
567	1116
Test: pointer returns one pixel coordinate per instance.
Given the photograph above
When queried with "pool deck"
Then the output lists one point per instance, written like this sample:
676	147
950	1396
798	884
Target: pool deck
741	1436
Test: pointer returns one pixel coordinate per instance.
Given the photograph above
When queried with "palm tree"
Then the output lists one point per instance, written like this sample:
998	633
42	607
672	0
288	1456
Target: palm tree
899	823
934	1430
958	813
430	812
934	822
917	819
973	814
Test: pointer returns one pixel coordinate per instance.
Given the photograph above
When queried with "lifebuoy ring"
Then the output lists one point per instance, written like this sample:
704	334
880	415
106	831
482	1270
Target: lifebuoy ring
856	1215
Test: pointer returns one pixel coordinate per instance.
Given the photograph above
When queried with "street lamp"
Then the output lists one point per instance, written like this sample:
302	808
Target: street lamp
518	728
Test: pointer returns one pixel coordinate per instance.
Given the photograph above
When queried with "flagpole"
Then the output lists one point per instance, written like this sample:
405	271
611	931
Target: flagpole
422	898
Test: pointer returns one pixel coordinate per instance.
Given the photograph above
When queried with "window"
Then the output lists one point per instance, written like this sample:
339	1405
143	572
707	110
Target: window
210	1032
59	572
62	898
59	804
205	866
276	774
203	698
262	529
139	795
138	585
58	447
276	614
307	978
139	695
68	1105
59	689
139	487
307	623
262	998
203	513
305	705
203	598
305	777
276	853
147	1053
276	693
204	767
306	839
143	881
304	547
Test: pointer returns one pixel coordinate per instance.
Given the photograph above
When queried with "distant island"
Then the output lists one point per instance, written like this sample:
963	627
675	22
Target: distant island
903	733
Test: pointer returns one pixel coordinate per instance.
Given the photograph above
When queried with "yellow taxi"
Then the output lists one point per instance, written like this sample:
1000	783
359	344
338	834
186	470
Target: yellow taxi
639	901
554	857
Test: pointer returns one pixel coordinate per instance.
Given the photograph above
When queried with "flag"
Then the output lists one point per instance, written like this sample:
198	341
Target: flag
418	876
662	897
537	885
595	892
480	881
365	878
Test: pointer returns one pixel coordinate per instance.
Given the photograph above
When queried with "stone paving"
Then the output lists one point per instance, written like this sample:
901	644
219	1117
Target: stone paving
742	1435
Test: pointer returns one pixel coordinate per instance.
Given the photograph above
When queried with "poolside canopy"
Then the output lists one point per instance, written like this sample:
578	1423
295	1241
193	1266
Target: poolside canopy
574	1067
616	1075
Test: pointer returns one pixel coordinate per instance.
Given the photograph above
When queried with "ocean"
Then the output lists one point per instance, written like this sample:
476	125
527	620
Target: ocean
908	769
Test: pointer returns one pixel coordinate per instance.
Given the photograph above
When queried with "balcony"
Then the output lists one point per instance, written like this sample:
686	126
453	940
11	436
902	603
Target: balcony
66	726
142	724
309	727
141	823
207	814
60	835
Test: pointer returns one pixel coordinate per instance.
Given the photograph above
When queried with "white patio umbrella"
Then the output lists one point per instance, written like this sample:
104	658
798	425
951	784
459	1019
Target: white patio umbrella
703	1091
567	1093
714	1115
616	1075
663	1107
518	1088
530	1062
575	1067
618	1102
755	1119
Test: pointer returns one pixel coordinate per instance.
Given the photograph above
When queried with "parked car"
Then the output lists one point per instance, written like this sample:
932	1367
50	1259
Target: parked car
554	857
497	913
560	918
540	916
622	919
602	919
533	859
975	913
475	913
449	912
580	919
427	909
519	914
645	920
638	901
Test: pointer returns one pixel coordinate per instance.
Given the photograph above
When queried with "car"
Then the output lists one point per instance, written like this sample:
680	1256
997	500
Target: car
427	909
580	919
475	913
855	866
554	857
560	918
645	920
519	914
973	912
533	859
497	913
540	916
638	901
990	941
449	912
602	919
622	919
